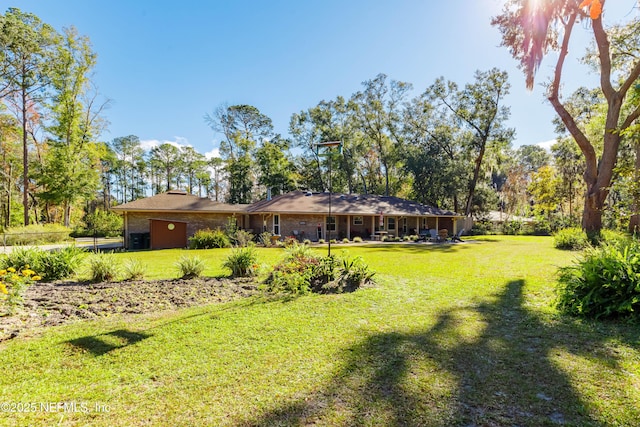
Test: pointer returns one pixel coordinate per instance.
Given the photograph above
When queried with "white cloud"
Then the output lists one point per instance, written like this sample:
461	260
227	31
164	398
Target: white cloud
179	142
213	153
547	144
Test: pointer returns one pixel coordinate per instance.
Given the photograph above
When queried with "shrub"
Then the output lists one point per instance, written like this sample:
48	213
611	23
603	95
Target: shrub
243	261
301	272
243	238
134	269
103	267
306	241
290	241
604	283
209	239
13	283
61	263
52	265
190	267
512	227
36	234
614	237
345	240
357	239
572	238
265	239
353	274
321	241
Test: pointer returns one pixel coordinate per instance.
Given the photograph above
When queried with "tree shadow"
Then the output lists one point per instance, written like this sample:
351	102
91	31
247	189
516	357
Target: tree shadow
102	344
503	375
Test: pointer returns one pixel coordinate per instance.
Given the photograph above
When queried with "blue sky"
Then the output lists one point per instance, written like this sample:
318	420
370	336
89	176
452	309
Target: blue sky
165	64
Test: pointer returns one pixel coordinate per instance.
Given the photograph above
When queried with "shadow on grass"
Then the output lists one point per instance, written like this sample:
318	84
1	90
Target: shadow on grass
102	344
414	248
502	375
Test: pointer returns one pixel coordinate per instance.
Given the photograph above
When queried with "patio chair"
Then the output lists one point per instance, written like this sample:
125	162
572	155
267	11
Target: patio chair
456	237
434	235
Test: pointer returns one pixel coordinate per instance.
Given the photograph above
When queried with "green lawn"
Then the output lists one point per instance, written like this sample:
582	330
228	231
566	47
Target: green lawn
452	335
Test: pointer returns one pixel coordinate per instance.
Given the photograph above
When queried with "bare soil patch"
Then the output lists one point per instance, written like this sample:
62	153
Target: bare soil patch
50	304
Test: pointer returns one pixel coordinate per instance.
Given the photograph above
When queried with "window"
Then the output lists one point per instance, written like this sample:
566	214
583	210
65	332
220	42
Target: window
276	224
331	223
391	223
357	220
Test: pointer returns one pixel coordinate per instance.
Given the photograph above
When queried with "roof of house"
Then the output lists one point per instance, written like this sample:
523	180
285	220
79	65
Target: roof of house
179	201
299	202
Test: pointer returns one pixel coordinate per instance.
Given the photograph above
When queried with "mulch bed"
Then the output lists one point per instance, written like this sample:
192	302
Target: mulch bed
50	304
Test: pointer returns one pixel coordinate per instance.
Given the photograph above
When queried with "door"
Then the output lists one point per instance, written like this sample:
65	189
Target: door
168	234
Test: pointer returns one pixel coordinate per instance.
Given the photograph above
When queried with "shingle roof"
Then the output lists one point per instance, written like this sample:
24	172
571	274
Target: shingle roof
173	201
345	204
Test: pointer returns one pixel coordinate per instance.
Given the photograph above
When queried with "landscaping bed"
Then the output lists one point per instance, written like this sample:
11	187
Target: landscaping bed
50	304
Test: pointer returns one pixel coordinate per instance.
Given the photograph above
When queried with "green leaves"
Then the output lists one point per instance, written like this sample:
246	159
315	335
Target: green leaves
604	283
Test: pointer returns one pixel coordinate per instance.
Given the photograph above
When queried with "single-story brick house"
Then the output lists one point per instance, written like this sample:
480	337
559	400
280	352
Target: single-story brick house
168	219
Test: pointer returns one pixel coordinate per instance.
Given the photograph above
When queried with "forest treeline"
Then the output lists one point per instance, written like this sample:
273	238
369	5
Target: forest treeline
446	145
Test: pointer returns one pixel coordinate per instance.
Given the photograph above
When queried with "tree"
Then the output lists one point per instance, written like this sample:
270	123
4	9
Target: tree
11	164
244	128
330	121
276	170
479	109
130	158
378	111
165	160
433	154
70	171
26	44
544	190
530	29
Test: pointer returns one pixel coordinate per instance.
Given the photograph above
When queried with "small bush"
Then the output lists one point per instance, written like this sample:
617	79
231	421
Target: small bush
243	238
13	283
512	228
189	267
614	237
243	261
301	272
52	265
290	241
357	239
134	269
209	239
306	241
265	239
345	240
321	241
572	238
103	267
604	283
61	263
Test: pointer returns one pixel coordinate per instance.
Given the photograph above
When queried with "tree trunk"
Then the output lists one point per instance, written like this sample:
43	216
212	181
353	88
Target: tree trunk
25	159
474	182
634	220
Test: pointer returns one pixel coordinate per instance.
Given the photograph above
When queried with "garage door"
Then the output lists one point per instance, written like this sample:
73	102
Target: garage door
168	234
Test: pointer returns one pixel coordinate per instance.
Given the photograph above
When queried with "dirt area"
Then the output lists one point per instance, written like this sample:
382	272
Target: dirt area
49	304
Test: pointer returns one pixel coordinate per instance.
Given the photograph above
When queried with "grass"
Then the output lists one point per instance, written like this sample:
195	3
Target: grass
452	335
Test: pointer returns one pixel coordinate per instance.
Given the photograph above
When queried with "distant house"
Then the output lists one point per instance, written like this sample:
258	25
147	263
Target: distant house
169	219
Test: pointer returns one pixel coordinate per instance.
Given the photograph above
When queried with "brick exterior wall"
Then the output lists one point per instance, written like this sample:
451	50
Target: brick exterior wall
138	222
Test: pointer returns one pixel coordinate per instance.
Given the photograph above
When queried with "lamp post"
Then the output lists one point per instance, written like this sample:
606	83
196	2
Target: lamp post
328	147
